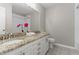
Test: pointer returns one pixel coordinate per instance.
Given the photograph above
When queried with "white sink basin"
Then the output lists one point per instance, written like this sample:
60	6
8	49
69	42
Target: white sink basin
30	34
11	42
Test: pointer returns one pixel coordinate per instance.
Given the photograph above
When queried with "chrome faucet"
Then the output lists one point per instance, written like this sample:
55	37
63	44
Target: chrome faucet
3	38
10	35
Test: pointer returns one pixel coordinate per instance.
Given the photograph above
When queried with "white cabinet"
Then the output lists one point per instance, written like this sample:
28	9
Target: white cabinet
38	47
44	45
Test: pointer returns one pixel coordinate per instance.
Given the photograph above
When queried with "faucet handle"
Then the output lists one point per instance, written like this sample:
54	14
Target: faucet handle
10	35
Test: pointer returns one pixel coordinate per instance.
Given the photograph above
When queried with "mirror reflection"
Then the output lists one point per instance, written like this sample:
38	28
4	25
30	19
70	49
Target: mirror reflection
16	19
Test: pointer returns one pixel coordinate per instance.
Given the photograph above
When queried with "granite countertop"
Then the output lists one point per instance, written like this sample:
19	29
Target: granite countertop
22	41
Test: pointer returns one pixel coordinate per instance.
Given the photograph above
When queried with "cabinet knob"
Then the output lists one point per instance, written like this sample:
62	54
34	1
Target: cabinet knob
3	29
23	53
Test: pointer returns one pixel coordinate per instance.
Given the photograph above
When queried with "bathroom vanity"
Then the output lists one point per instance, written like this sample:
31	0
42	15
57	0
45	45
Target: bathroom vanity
28	45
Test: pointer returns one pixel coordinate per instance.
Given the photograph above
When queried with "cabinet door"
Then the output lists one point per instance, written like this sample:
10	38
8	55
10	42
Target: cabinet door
28	51
32	48
44	46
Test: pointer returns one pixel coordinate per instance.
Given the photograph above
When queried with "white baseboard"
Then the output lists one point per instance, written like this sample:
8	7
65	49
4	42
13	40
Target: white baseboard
65	46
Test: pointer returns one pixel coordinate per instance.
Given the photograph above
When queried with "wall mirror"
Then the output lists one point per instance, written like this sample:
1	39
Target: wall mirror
12	14
21	13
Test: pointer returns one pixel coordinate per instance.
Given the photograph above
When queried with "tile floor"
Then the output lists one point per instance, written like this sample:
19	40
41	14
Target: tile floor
60	50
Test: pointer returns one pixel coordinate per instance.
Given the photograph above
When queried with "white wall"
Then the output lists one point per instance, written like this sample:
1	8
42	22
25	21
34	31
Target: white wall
42	19
2	20
76	26
38	19
8	8
60	23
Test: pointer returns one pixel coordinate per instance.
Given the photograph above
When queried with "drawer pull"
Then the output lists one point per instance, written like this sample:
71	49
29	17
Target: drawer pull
39	48
38	53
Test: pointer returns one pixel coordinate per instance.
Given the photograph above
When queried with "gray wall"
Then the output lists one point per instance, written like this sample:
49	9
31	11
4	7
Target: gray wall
60	23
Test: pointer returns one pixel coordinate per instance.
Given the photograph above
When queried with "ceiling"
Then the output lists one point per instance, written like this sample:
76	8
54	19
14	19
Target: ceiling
47	5
21	8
